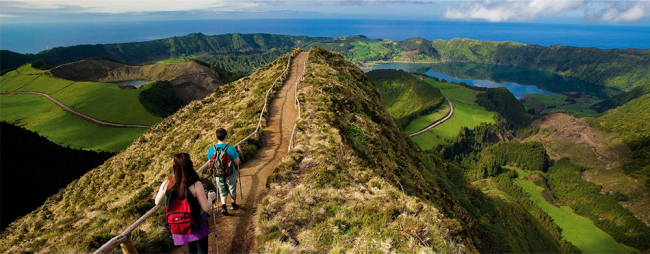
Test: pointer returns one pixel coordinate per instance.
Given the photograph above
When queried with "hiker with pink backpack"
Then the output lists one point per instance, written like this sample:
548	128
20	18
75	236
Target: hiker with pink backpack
223	159
186	205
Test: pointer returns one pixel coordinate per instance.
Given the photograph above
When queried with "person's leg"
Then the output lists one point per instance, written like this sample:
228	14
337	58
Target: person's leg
232	189
202	245
223	191
192	247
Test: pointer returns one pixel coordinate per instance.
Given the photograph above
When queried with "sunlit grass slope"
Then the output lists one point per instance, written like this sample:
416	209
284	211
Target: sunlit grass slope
39	114
466	113
102	101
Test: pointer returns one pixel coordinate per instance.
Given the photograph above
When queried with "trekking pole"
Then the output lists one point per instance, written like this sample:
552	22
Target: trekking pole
241	193
214	222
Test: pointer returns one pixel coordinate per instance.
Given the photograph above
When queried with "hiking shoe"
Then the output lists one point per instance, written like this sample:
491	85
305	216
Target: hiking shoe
234	206
224	210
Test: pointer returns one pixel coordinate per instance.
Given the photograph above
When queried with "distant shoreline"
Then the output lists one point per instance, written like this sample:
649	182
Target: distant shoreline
367	65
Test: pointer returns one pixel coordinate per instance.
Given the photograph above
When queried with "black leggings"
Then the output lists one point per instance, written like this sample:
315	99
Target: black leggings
199	246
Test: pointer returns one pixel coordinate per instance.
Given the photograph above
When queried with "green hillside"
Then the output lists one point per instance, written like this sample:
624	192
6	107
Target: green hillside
405	95
467	114
577	229
617	68
632	122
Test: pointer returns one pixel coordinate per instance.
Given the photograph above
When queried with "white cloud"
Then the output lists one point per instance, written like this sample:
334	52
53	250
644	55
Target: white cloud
124	6
628	13
496	11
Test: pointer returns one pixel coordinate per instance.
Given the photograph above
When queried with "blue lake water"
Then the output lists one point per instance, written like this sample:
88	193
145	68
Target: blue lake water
136	83
33	38
518	81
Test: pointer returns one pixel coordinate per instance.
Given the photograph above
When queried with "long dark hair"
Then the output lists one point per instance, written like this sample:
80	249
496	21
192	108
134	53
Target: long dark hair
184	175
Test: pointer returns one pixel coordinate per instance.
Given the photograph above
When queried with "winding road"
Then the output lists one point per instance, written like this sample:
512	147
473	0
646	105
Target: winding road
436	123
84	116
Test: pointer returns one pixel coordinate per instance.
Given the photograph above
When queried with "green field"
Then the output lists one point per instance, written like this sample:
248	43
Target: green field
176	59
466	113
426	120
38	114
557	102
362	51
577	229
103	101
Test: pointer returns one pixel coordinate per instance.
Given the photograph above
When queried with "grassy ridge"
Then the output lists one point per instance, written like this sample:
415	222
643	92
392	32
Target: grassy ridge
577	229
405	95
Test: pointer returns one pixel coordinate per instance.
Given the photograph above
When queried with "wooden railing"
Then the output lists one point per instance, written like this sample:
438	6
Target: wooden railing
302	76
123	239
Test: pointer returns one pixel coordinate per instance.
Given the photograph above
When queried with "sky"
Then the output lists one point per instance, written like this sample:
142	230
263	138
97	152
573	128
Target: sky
542	11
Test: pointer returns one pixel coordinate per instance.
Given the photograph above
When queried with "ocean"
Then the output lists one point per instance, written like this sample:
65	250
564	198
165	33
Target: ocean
33	38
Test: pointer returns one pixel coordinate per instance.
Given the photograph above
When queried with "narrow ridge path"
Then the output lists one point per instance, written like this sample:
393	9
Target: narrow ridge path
436	123
234	232
82	115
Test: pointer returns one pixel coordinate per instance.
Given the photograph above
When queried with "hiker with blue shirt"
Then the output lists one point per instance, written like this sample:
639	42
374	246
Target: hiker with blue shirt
224	157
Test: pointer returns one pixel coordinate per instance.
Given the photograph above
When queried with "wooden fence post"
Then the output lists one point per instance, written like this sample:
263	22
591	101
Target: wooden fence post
127	247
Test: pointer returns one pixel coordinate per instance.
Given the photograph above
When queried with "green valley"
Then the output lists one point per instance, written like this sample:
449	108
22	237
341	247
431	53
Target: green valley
577	229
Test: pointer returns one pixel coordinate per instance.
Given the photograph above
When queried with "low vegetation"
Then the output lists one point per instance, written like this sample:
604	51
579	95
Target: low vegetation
631	122
500	100
405	95
159	98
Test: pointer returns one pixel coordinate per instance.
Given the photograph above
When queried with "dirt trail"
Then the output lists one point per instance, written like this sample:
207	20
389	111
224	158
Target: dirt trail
233	231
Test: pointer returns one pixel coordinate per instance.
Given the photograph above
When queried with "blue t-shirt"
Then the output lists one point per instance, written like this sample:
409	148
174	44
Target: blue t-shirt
230	151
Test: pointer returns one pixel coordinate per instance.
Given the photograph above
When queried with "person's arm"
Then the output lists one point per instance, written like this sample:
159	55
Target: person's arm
161	192
206	203
236	156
